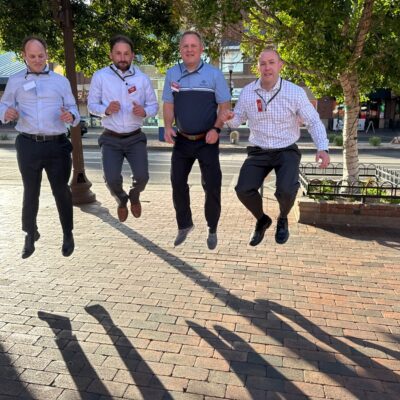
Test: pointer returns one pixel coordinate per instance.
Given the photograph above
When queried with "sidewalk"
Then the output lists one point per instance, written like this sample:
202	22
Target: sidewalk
128	316
89	140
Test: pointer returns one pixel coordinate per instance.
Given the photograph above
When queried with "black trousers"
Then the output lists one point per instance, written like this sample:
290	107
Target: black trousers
55	158
184	154
255	169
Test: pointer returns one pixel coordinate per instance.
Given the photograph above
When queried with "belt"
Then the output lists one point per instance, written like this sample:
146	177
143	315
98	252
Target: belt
44	138
199	136
108	132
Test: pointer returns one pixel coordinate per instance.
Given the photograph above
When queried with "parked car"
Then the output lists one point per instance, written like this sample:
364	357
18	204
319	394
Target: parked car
84	127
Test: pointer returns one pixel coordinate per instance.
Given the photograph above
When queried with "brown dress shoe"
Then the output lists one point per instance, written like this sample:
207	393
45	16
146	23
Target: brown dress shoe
136	209
122	212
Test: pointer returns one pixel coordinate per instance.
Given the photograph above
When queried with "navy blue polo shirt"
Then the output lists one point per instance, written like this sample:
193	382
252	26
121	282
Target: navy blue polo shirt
195	96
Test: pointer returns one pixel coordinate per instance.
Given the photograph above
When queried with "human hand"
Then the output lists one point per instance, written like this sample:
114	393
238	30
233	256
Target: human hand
322	157
138	110
11	114
212	136
169	135
66	116
226	115
113	107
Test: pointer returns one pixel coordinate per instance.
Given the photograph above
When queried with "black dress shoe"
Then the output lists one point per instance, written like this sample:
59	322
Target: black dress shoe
29	246
282	231
259	231
68	245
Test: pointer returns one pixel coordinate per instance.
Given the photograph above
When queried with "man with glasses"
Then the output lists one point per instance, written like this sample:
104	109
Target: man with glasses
123	96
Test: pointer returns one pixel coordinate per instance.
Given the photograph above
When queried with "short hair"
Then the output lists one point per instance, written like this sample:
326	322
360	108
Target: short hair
270	48
197	34
120	39
33	37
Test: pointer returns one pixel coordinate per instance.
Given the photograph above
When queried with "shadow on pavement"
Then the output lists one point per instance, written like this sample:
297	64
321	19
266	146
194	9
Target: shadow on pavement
10	385
145	379
88	383
271	317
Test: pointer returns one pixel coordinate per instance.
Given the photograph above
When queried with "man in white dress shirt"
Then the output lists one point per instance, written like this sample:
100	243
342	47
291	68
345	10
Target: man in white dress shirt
273	107
42	103
123	96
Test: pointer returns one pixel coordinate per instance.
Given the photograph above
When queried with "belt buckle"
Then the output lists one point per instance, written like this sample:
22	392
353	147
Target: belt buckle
192	137
40	140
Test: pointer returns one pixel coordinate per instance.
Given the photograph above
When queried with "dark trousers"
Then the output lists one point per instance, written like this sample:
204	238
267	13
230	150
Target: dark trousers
55	158
255	169
184	154
114	150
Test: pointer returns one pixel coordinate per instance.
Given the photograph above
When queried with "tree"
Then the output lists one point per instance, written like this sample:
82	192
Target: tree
149	23
342	48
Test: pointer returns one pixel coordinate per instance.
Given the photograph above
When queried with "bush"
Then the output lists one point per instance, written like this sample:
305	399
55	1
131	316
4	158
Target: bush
374	141
338	140
331	137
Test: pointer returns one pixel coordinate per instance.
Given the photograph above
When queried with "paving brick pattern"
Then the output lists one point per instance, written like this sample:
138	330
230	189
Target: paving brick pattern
128	316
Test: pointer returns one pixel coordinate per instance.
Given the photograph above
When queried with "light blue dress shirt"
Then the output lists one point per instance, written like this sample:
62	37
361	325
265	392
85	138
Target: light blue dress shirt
39	100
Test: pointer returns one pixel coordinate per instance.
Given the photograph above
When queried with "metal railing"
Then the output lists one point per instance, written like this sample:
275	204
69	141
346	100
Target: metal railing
379	183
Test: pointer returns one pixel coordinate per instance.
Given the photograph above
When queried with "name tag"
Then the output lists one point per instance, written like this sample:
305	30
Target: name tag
132	89
29	85
175	87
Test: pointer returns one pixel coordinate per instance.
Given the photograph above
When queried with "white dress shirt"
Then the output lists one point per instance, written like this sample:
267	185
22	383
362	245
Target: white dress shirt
273	116
110	84
39	98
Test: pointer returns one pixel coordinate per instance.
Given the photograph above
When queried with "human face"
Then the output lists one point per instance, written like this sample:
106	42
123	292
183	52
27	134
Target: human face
190	48
122	55
35	56
269	66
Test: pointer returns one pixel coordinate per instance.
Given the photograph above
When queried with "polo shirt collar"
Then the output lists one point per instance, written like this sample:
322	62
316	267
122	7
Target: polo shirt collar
185	70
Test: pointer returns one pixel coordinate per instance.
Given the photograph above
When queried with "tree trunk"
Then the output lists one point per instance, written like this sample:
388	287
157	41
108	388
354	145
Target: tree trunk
349	83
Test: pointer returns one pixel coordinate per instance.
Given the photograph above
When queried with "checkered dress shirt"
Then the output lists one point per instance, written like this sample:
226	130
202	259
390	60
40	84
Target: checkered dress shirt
276	123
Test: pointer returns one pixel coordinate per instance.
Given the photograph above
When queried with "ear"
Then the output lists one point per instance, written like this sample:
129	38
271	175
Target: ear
109	55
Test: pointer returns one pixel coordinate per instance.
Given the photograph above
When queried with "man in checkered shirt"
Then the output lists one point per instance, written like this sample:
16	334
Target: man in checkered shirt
273	107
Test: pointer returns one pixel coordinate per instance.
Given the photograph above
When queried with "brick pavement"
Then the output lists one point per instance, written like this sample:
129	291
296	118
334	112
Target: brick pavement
128	316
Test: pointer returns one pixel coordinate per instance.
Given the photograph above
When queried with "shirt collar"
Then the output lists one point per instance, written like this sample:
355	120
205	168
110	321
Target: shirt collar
130	71
45	71
258	86
197	69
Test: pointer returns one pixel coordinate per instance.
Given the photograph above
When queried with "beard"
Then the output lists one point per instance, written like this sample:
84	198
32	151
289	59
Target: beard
122	66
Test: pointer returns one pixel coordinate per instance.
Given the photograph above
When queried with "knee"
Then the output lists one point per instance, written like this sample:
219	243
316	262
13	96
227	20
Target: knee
142	180
243	191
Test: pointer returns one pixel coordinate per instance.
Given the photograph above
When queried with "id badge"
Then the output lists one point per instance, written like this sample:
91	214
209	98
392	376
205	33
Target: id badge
259	105
29	85
175	86
132	89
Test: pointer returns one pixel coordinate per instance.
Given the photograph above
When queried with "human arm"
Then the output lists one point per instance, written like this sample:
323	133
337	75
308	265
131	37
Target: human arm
169	116
8	110
95	99
212	135
69	111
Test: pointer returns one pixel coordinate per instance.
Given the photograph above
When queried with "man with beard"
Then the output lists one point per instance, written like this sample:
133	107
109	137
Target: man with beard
123	96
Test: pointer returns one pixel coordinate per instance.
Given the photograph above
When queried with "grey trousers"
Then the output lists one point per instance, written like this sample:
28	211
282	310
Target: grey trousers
114	150
255	169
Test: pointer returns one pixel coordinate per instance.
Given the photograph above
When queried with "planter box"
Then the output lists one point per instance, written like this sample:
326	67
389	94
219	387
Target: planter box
329	212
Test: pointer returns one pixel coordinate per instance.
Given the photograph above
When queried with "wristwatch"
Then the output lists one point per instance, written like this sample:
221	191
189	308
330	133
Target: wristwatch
218	130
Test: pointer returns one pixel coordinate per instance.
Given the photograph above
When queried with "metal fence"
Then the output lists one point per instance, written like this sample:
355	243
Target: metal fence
374	182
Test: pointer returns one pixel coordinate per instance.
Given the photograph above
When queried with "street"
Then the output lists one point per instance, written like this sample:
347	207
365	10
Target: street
159	165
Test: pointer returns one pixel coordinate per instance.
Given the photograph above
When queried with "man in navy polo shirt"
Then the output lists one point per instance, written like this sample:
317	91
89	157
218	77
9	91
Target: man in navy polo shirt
194	92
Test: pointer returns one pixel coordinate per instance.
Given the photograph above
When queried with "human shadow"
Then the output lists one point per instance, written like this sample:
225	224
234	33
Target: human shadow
10	384
265	315
87	382
145	379
365	343
255	372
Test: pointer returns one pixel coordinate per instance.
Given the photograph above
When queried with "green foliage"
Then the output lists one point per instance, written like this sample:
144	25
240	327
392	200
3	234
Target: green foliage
317	39
331	137
338	140
149	23
374	141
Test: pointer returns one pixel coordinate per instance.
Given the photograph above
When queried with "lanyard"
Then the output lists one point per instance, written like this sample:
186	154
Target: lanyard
190	73
269	101
122	77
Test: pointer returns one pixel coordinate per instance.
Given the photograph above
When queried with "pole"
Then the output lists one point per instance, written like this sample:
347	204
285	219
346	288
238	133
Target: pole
80	185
